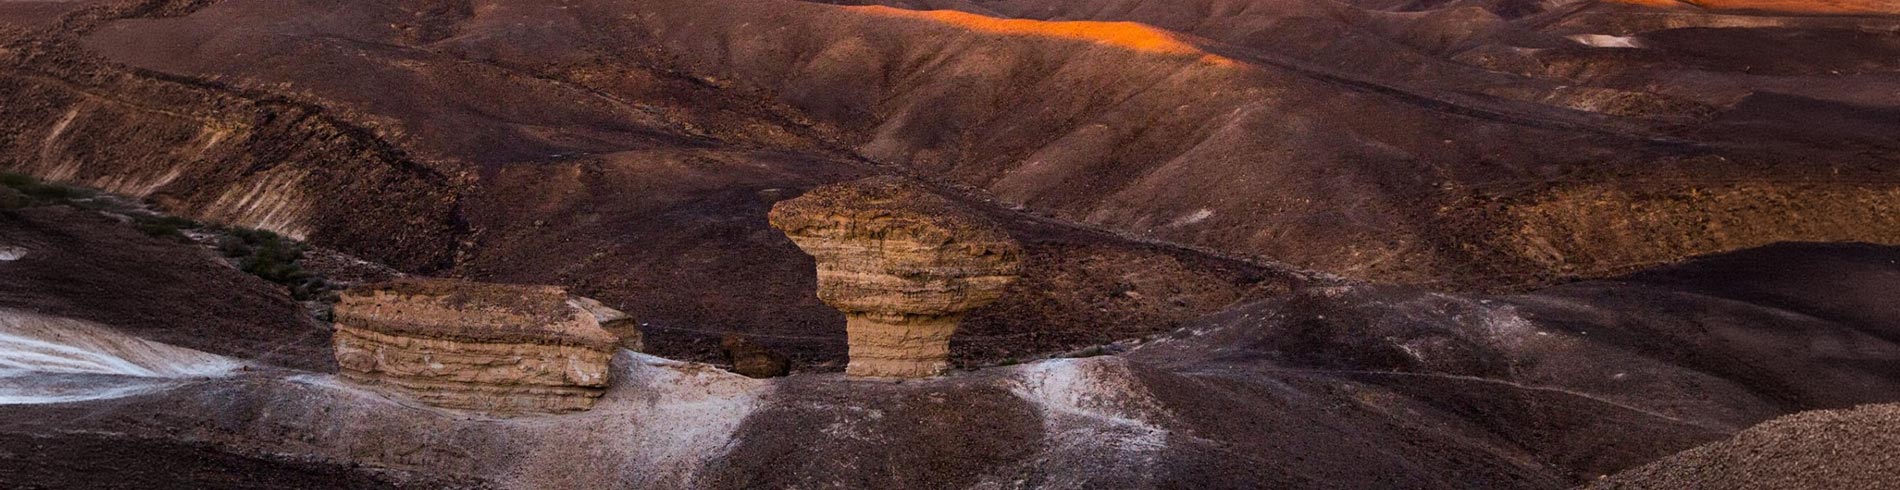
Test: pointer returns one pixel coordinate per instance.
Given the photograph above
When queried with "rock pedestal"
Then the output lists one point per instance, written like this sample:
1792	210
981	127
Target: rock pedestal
495	348
904	265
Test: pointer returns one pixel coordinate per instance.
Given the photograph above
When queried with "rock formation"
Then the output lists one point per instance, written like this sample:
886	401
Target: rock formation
752	359
903	264
496	348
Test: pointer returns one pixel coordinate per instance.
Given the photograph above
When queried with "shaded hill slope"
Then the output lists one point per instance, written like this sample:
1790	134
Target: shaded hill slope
1334	387
1486	144
1242	132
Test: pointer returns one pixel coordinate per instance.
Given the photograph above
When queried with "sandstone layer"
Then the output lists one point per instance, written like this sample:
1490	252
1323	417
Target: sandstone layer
489	347
904	265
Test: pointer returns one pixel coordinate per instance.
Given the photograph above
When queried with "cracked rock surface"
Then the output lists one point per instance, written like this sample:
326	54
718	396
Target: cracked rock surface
487	347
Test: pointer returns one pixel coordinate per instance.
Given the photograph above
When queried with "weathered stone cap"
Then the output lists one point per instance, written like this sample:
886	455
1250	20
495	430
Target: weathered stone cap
889	208
464	311
886	245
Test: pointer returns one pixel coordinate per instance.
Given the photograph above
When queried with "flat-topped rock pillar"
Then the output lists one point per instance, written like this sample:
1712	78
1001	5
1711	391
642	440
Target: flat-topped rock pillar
903	264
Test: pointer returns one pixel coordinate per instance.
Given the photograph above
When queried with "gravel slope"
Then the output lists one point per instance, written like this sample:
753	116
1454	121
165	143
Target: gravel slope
1827	449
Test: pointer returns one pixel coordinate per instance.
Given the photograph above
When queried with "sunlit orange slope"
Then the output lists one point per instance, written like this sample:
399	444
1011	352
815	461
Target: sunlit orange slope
1790	6
1126	35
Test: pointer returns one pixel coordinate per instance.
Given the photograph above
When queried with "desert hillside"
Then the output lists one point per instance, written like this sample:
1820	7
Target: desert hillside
1208	243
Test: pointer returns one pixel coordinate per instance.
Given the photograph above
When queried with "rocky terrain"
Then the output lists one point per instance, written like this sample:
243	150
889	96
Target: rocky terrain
1197	243
1417	389
1824	449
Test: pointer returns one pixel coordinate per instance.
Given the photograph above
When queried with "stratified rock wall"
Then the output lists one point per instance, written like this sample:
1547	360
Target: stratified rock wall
489	347
903	264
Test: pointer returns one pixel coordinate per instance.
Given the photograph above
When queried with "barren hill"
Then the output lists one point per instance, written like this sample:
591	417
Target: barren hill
1407	232
1463	143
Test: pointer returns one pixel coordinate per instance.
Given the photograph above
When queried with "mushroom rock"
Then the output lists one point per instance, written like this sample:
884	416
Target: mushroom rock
904	265
502	349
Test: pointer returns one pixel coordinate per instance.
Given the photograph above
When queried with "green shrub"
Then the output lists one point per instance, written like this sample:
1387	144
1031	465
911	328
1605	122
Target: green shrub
275	260
255	237
17	181
32	187
234	247
161	230
164	226
54	192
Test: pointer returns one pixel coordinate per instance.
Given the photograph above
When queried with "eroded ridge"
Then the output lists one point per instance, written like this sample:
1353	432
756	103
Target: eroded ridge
1850	7
496	348
903	264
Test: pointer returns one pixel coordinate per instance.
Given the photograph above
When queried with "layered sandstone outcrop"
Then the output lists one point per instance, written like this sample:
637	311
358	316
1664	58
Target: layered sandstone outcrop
496	348
903	264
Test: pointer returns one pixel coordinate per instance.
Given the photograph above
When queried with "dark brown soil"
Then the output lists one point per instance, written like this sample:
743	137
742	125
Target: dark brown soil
1352	386
74	461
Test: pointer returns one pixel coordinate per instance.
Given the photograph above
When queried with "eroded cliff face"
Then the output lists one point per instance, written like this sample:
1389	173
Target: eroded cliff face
202	149
495	348
903	264
1597	229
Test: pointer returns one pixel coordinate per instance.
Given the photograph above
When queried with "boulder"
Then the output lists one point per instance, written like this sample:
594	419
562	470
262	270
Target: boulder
904	265
502	349
754	360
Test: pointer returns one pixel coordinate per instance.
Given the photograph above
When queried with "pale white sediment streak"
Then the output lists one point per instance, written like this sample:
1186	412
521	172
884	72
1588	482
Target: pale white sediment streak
1606	41
46	359
1096	415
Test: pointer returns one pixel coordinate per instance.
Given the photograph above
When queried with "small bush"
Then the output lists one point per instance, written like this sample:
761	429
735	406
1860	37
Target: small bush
55	192
32	187
161	230
234	247
255	237
275	260
165	226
